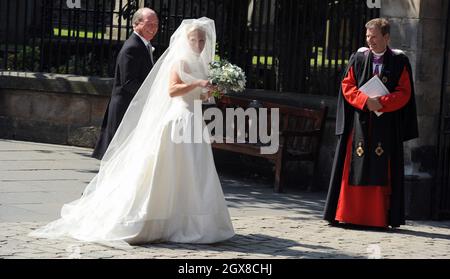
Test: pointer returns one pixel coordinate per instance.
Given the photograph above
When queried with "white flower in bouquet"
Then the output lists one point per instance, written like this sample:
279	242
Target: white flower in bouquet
227	77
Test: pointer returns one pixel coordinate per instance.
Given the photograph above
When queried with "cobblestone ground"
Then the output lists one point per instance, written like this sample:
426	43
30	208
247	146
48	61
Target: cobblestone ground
36	179
257	237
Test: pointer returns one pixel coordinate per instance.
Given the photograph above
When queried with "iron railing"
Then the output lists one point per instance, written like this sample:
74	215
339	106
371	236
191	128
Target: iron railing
283	45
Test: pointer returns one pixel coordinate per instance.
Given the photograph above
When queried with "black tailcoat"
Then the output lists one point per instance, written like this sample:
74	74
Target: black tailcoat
132	67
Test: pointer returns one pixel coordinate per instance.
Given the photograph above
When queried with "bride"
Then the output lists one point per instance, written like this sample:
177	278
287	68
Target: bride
150	188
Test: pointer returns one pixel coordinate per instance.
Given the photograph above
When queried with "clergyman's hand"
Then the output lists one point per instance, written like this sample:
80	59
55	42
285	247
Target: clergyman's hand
373	104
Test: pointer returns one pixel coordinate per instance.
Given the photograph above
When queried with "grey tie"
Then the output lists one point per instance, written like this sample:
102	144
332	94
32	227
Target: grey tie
149	49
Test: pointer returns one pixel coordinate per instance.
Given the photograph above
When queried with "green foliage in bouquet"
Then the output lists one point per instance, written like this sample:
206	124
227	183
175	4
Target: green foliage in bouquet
227	77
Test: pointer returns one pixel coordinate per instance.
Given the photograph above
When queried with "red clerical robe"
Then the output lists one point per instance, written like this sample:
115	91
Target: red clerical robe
367	205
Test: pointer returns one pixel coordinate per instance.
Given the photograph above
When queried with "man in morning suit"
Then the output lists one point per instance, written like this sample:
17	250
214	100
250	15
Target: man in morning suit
134	62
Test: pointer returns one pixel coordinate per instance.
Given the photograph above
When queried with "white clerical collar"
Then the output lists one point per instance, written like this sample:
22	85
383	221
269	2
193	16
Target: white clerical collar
142	38
379	54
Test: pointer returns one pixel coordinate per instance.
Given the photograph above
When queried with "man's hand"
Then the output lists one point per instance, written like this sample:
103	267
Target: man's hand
373	104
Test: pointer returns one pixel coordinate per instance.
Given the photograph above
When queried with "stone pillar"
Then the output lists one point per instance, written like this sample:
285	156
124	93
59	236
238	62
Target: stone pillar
418	27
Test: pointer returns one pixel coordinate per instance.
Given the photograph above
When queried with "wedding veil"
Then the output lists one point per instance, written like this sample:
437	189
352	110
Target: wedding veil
141	122
115	196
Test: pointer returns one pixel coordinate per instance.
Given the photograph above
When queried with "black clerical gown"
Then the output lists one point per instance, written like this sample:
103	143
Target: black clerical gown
366	185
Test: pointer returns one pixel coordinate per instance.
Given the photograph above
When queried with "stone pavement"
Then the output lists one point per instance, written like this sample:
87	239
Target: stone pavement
36	179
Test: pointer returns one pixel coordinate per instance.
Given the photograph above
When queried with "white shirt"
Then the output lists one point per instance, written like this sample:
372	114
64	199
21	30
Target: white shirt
146	43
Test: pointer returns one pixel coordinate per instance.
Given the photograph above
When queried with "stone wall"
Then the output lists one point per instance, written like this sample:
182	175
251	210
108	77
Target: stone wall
50	108
63	109
418	28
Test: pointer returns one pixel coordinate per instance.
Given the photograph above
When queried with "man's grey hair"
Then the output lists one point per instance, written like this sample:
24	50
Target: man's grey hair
139	15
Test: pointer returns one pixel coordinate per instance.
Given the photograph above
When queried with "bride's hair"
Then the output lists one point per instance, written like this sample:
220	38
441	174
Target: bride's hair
195	27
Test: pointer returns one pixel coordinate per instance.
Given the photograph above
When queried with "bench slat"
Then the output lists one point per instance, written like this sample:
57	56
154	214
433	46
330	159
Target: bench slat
301	132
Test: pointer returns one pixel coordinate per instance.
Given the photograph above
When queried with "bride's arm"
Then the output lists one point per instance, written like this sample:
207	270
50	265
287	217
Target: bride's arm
178	88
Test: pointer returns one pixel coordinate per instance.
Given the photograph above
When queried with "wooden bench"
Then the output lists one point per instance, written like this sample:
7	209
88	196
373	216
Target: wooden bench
300	138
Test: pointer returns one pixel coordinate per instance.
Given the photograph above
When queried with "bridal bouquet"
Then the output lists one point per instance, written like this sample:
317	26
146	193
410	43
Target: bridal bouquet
227	77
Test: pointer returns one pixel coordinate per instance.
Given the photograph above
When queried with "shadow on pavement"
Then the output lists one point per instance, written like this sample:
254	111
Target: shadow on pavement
260	244
428	235
254	194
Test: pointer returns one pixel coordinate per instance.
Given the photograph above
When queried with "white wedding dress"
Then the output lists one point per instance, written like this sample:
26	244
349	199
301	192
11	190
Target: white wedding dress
150	188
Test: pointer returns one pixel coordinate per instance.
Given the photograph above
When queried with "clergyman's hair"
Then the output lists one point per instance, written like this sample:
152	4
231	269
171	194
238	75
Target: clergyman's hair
380	23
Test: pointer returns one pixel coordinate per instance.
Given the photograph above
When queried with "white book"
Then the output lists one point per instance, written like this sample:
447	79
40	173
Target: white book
374	88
